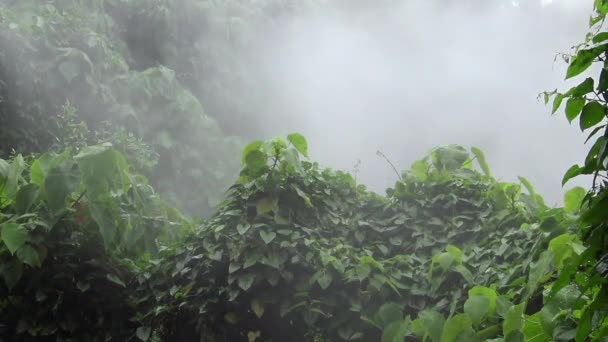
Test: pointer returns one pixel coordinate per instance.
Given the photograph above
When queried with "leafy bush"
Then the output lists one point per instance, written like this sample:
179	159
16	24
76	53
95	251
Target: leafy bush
296	252
74	226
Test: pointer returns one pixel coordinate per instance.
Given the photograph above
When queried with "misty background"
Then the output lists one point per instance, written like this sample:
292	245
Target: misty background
196	80
404	78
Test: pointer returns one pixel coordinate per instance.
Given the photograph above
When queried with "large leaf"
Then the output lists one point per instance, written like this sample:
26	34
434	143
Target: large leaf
299	142
395	331
29	256
477	308
26	196
514	319
389	313
582	61
593	113
574	106
13	235
143	333
456	326
533	329
573	199
481	159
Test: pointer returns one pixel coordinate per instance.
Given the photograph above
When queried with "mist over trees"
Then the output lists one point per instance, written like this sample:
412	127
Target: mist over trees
153	188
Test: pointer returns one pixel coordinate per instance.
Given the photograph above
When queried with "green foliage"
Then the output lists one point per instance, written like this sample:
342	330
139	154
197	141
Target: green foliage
74	227
575	308
298	252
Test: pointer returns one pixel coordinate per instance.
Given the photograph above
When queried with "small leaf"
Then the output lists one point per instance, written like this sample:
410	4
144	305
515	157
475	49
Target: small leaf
267	236
13	235
231	318
325	280
572	172
69	70
143	333
481	159
254	146
266	204
242	228
246	280
257	307
574	106
557	102
114	278
299	142
593	113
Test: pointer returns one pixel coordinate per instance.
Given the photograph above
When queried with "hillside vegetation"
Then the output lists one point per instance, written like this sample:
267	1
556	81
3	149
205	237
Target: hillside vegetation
110	154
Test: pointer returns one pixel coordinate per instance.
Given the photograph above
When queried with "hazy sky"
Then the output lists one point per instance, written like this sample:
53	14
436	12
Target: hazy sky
403	79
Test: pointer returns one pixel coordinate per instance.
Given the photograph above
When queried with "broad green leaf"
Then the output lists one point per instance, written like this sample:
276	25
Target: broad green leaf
246	280
143	333
572	172
540	271
583	88
389	313
477	308
13	236
561	249
13	176
573	199
395	331
433	323
454	326
574	106
29	255
254	146
514	319
26	196
266	204
533	330
582	61
481	159
488	293
267	236
593	113
325	280
600	37
299	142
242	228
101	213
258	308
420	169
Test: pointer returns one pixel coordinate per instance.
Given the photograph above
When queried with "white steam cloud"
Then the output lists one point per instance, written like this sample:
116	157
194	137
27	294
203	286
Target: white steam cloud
404	79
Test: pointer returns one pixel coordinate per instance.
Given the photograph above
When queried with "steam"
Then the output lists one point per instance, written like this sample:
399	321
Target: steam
405	78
